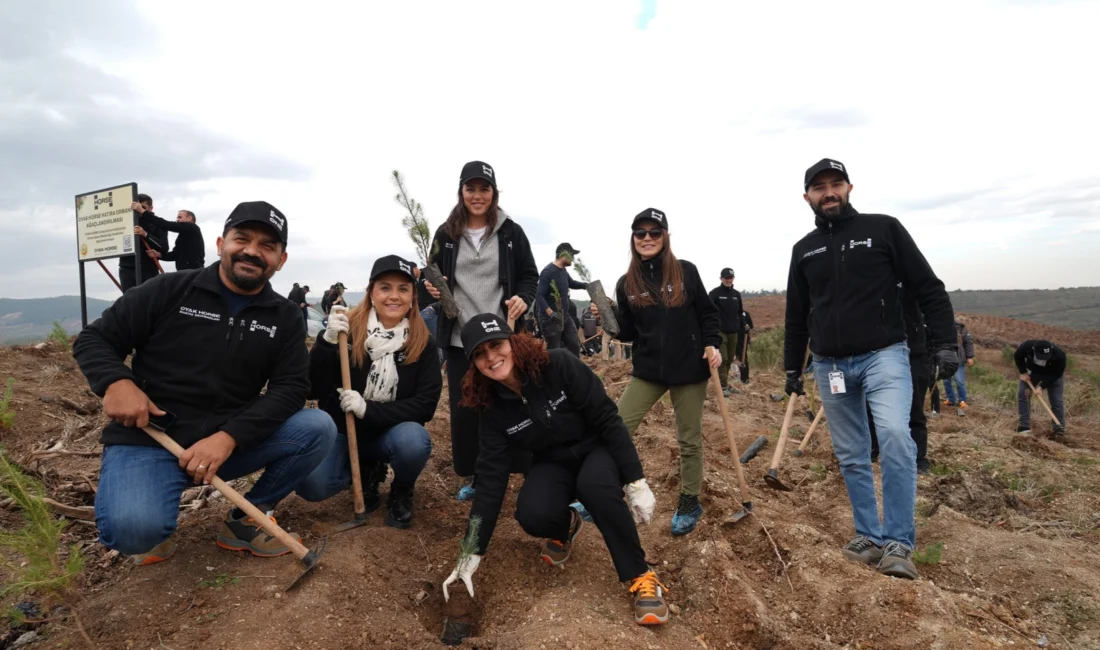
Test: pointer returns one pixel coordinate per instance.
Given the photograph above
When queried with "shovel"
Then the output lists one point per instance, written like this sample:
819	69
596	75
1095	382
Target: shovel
308	558
1043	402
809	434
353	447
771	478
746	502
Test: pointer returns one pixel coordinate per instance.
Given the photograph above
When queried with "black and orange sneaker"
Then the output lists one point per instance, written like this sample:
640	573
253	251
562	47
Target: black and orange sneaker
243	533
158	553
555	552
649	600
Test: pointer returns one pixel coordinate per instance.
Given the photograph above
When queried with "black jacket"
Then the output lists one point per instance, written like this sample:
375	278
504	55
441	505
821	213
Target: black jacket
518	274
843	291
669	341
196	361
190	249
297	296
730	309
158	241
563	418
747	320
915	331
418	387
1041	376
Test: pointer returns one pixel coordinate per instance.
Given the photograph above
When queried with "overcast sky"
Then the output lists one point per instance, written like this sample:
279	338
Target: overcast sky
975	123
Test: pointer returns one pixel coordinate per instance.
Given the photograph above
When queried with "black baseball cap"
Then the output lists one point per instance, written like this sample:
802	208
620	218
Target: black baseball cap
566	247
824	165
478	169
392	263
1043	352
650	213
260	211
482	328
727	273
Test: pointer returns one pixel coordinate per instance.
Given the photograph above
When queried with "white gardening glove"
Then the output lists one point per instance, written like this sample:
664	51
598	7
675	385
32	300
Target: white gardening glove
352	402
641	501
337	322
464	571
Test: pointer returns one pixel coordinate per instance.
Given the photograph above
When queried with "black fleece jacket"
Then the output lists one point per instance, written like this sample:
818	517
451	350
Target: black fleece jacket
518	274
1041	376
419	385
669	341
196	361
843	291
564	416
189	251
730	309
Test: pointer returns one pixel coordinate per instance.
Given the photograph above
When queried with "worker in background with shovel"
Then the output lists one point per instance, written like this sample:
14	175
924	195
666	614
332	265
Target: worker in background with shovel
1042	365
222	352
728	301
551	404
395	386
849	271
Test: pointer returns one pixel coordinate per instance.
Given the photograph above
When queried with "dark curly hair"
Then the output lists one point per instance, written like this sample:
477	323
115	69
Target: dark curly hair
529	356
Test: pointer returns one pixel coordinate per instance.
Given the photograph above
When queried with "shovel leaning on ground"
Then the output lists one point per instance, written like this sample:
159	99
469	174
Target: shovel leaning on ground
307	557
809	434
746	501
771	478
360	517
1043	402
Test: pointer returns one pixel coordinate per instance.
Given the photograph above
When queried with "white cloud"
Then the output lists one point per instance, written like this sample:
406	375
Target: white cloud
970	121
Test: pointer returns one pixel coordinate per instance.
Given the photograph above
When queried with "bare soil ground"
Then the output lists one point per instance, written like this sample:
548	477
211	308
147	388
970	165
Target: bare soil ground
1018	517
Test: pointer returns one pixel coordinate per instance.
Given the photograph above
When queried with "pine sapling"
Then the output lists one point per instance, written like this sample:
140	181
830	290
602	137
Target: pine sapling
59	335
7	413
468	545
582	270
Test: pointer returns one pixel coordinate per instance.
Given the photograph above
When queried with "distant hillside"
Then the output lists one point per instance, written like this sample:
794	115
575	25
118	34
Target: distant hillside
26	320
1077	308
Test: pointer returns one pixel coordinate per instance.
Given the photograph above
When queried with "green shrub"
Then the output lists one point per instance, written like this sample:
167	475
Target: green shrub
932	554
766	350
1008	356
59	335
992	385
7	413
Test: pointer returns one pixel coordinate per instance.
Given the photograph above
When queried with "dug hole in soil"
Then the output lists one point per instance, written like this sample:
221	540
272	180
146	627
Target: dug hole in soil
1014	519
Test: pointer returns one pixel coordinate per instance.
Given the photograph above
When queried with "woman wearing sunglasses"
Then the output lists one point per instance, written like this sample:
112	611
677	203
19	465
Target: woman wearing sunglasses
487	261
664	310
552	405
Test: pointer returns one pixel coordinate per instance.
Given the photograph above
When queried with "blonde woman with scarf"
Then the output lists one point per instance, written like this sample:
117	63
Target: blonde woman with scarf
396	382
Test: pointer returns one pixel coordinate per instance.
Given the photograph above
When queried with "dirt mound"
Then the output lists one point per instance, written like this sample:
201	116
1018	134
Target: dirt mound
1007	530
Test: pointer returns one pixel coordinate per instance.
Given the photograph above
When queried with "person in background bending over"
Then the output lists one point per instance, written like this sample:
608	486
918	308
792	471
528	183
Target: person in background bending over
1044	365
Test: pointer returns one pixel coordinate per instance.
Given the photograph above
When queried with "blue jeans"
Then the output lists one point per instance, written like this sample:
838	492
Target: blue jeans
880	379
430	314
138	501
960	381
406	447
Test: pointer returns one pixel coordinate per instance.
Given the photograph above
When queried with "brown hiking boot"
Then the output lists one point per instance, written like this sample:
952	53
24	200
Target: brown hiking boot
649	600
555	552
244	534
862	551
158	553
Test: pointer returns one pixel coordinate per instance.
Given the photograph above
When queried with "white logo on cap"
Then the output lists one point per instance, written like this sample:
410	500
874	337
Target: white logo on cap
405	267
487	170
835	165
277	220
657	215
490	326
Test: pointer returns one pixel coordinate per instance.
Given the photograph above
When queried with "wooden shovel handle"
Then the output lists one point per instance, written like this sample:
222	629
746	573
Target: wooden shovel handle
235	497
744	487
813	427
778	455
353	442
1043	402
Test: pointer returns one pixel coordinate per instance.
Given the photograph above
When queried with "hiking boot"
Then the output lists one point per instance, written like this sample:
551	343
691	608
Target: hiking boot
924	466
373	474
649	600
688	513
727	391
241	533
962	404
158	553
947	403
556	552
466	492
399	505
932	414
897	561
1022	429
862	551
582	511
1058	434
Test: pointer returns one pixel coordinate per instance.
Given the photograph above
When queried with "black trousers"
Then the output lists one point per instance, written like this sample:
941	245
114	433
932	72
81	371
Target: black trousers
561	337
918	423
542	507
742	345
464	422
127	277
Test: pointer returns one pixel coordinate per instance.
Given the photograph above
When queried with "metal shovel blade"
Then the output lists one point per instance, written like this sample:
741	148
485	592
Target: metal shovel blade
797	452
735	517
311	560
359	520
771	479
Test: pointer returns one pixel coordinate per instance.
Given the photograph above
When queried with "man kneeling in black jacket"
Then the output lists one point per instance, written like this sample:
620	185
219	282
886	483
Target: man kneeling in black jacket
207	343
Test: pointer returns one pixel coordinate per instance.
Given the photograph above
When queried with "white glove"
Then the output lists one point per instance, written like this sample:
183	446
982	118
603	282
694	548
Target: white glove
465	571
641	501
337	322
352	402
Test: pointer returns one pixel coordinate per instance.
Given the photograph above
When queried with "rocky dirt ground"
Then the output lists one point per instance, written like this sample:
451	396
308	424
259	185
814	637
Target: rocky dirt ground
1018	518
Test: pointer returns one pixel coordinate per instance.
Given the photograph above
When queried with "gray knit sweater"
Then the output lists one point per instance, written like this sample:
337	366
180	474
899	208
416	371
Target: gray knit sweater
477	287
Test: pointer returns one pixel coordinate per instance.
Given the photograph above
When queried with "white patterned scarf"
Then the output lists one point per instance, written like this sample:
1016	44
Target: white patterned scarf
382	344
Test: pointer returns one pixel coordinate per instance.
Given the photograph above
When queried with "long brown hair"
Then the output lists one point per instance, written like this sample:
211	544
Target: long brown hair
671	276
359	317
529	356
456	222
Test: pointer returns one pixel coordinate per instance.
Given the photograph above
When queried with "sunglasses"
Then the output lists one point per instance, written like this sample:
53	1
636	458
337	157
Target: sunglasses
654	233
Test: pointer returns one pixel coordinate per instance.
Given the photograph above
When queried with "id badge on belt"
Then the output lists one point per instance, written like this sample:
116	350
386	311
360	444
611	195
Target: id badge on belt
836	382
